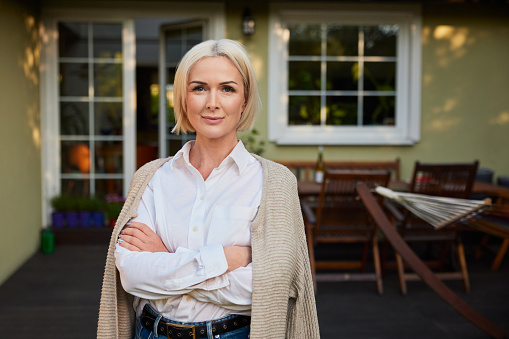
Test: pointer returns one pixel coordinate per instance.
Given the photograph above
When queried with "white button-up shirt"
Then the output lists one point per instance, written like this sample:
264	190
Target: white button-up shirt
195	218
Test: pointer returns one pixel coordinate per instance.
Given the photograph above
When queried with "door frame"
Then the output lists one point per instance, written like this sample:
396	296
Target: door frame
123	12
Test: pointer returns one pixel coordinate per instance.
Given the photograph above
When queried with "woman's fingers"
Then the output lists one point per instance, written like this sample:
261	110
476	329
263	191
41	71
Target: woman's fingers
128	245
142	237
141	227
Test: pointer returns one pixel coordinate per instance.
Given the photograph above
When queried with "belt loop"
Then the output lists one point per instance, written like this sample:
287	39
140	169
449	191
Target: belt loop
156	323
210	335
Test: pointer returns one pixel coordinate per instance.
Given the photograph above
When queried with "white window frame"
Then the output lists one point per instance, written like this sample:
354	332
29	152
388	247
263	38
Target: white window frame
408	74
125	13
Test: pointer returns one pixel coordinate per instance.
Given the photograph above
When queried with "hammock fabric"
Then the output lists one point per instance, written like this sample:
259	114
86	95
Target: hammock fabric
437	211
493	220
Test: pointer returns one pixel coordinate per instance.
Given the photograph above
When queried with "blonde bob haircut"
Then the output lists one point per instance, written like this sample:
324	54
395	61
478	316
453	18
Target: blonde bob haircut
238	55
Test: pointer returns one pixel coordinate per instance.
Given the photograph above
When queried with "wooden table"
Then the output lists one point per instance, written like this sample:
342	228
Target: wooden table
311	188
490	189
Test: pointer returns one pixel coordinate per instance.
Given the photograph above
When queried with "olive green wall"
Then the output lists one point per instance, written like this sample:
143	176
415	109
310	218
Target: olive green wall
20	169
465	86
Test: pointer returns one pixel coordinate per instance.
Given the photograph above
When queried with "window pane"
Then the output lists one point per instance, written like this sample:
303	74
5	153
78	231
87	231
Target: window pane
75	156
380	40
108	157
304	110
173	46
76	187
304	75
108	118
194	37
73	79
342	41
342	111
107	40
305	40
342	76
380	76
108	80
74	118
379	110
111	187
73	40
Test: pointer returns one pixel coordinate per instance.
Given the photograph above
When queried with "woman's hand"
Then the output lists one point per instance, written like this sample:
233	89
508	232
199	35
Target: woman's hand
139	237
237	256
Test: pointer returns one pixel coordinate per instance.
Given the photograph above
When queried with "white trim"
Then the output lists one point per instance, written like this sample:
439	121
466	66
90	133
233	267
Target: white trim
129	102
163	126
408	74
50	147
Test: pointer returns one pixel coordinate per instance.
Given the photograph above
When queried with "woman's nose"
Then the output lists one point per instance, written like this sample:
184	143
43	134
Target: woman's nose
212	102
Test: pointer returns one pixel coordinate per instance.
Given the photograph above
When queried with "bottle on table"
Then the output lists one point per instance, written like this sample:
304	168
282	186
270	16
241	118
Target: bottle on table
320	167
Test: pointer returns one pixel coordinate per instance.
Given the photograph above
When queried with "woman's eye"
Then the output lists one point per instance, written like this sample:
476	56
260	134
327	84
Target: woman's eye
229	89
198	89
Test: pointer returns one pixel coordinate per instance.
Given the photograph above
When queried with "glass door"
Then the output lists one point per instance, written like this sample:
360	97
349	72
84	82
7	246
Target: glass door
175	41
91	98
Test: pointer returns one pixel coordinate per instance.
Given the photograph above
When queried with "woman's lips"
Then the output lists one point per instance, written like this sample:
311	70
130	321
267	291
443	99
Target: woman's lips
212	120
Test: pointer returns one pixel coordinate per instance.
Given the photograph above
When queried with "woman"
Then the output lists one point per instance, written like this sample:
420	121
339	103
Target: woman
210	243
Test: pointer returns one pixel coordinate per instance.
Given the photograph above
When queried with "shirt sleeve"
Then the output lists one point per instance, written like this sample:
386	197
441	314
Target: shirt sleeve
235	295
160	275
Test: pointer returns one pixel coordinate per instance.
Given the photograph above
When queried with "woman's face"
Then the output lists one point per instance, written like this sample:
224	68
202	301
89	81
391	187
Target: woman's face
215	98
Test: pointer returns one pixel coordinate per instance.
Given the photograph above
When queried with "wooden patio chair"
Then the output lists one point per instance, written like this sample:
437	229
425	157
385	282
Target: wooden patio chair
446	180
340	217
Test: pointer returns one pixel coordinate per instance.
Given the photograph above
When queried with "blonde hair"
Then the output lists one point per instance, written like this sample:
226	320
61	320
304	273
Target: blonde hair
238	55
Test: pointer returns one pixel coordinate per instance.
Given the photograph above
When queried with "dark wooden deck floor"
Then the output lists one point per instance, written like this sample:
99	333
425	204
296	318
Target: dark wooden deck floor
57	296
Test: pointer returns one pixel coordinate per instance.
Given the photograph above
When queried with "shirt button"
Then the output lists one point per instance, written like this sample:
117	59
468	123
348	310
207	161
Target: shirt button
188	298
195	228
202	197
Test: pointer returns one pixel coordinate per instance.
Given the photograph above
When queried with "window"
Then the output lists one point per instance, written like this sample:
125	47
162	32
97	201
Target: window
91	108
344	76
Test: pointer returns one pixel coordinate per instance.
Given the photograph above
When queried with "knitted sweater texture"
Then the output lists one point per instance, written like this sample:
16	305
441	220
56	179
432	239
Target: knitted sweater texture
283	302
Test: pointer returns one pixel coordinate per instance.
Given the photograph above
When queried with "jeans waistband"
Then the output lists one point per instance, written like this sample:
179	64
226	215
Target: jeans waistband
194	330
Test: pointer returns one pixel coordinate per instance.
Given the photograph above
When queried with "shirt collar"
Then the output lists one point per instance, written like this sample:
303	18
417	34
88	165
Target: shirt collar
239	155
182	156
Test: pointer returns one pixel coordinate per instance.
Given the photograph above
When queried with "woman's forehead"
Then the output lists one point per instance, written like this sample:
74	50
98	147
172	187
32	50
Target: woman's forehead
214	65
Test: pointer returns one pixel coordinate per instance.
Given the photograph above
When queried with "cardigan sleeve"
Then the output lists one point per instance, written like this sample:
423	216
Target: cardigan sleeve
302	319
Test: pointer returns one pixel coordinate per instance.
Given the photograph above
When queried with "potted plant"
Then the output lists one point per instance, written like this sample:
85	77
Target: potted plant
97	206
113	209
72	207
251	142
84	211
59	207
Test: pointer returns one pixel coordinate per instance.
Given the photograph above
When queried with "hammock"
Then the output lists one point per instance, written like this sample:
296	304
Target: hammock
438	211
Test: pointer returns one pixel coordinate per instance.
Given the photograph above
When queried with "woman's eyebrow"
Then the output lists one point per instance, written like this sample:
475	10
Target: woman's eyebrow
228	82
204	83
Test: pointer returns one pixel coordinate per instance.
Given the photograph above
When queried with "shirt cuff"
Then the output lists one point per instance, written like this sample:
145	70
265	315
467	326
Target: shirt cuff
213	260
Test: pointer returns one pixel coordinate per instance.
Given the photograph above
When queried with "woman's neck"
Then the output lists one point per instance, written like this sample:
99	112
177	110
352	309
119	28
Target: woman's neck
209	154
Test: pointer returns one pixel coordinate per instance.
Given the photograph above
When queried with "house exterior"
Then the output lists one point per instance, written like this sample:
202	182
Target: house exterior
86	87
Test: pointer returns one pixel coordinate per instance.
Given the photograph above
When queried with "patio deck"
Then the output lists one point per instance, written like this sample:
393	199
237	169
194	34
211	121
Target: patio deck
57	296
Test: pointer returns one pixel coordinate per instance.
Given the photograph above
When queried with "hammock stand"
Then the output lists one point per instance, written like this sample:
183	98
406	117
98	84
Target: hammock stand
422	269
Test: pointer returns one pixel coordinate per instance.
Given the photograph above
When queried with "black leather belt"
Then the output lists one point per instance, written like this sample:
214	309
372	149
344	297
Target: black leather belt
178	331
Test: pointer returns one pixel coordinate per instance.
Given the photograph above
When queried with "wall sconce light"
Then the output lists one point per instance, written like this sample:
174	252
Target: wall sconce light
248	23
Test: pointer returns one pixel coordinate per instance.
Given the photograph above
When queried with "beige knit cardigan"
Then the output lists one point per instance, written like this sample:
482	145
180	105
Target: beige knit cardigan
283	296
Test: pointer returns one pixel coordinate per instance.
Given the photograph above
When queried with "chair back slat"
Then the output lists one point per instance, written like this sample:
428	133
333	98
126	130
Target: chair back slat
338	202
305	170
453	180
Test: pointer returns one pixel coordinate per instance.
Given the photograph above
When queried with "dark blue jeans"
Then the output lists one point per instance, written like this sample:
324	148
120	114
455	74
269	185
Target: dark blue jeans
241	333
